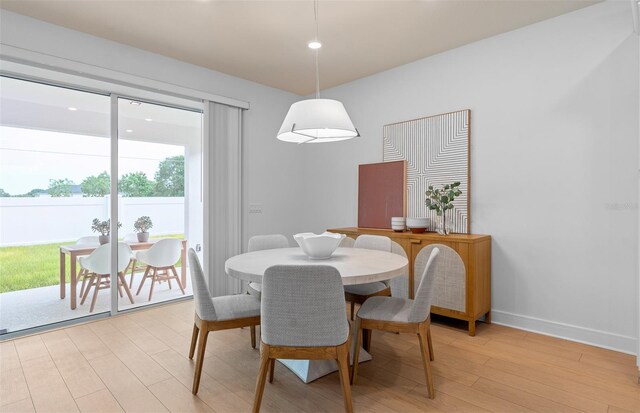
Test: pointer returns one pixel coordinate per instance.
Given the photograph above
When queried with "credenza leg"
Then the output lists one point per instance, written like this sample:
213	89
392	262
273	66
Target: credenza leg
487	318
472	328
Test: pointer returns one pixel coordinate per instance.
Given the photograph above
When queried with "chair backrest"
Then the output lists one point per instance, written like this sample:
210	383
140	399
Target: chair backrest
163	253
303	306
382	243
422	301
267	242
130	237
90	240
203	302
373	242
347	242
451	275
99	260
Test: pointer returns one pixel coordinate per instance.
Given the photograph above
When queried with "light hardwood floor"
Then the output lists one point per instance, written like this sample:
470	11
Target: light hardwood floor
138	363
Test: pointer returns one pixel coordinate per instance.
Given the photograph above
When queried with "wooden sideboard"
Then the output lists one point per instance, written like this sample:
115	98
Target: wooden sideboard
475	252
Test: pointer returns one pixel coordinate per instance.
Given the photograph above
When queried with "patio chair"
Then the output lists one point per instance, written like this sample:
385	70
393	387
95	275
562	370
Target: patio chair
160	259
264	242
98	265
83	275
359	293
403	315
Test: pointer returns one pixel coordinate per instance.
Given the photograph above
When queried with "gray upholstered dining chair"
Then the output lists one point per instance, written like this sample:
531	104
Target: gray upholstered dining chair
358	293
264	242
347	242
403	315
303	317
217	313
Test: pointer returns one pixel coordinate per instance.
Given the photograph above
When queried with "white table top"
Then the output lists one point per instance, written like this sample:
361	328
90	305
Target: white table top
355	265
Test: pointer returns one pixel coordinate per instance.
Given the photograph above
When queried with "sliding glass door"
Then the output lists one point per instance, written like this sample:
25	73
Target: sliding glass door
159	197
62	179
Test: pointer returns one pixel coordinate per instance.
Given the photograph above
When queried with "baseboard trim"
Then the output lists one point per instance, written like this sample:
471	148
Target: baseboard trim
598	338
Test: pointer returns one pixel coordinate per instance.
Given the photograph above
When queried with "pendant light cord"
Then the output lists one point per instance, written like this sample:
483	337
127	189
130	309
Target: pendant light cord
315	15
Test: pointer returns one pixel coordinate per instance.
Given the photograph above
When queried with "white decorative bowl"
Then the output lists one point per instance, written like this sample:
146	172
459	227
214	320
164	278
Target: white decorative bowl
417	225
318	247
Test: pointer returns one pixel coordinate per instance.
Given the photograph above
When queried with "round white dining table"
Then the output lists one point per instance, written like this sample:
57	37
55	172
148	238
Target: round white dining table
355	265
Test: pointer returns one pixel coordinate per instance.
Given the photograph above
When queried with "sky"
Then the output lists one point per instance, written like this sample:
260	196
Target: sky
29	158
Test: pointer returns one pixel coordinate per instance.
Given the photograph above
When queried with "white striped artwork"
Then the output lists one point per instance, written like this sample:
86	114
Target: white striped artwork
436	149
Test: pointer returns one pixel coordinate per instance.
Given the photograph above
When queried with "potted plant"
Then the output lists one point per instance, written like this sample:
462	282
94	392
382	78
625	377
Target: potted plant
441	200
142	227
104	228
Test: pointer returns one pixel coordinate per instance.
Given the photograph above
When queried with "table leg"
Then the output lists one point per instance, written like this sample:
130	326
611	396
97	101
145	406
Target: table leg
74	281
62	274
183	267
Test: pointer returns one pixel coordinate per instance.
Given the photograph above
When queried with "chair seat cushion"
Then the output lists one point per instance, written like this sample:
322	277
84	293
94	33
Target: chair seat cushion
255	289
229	307
386	309
365	289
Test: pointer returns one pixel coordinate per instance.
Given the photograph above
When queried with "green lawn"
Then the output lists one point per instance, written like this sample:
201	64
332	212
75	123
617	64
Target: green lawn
34	266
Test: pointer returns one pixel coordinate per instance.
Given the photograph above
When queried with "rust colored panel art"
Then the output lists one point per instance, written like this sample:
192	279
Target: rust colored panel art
381	193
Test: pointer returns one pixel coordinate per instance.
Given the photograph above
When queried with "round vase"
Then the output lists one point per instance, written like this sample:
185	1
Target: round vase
103	239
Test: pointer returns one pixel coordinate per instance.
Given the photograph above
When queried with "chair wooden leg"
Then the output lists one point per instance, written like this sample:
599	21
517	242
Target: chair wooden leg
133	270
120	290
356	351
84	274
124	285
262	377
343	367
253	336
96	288
202	346
154	280
86	292
367	343
422	337
430	343
272	369
353	309
194	339
175	274
144	278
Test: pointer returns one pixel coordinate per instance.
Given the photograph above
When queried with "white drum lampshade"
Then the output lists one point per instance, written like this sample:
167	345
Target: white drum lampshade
317	121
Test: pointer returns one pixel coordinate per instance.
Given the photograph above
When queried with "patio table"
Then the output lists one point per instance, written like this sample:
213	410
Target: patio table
74	251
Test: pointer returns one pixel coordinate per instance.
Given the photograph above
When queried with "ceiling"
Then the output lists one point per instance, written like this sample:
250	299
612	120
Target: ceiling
265	41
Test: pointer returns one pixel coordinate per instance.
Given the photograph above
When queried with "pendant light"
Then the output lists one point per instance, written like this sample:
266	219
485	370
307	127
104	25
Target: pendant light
317	120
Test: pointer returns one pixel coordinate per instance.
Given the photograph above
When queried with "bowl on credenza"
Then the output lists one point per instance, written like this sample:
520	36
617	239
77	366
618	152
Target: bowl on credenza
417	225
398	224
318	247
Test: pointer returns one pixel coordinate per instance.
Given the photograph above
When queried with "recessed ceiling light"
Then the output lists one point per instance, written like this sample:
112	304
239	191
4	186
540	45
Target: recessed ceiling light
148	119
135	102
129	130
314	44
72	108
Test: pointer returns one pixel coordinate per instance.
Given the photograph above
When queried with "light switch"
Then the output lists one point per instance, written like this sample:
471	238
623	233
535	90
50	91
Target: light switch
255	208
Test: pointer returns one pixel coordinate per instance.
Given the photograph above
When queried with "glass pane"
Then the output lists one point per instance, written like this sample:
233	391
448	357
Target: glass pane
159	198
54	163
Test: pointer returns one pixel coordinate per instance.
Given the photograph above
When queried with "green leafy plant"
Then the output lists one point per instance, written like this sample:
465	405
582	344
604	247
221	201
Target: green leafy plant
143	224
96	185
440	199
60	187
103	227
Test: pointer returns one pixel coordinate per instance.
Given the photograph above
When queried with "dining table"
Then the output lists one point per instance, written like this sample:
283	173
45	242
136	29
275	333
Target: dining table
77	250
355	265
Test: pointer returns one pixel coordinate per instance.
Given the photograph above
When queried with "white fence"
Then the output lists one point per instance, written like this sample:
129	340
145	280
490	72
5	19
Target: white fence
29	221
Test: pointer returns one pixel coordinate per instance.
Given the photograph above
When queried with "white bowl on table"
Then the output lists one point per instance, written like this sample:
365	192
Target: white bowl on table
318	246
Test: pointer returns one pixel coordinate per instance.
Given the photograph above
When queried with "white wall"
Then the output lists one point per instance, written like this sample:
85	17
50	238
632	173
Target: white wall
554	133
271	170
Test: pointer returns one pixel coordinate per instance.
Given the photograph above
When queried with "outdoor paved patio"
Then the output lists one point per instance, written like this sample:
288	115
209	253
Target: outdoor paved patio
40	306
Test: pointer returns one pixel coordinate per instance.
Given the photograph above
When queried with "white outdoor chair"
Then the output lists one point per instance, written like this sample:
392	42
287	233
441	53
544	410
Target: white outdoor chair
98	266
403	315
264	242
83	275
217	313
303	318
358	293
160	259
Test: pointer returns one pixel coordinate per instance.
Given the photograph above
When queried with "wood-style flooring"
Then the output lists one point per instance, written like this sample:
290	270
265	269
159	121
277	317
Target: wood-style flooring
138	363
